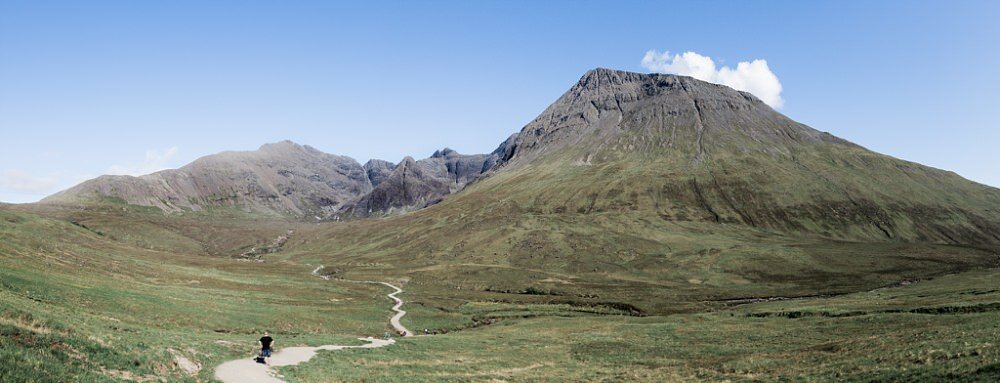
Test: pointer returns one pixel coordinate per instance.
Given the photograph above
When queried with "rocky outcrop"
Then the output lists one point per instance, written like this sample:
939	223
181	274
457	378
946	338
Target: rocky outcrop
415	184
378	170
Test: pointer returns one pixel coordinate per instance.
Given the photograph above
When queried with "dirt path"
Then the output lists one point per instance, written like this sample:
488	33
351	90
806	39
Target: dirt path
247	371
399	312
399	302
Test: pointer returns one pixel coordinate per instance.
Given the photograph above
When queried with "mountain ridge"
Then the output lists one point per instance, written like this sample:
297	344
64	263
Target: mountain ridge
684	148
282	178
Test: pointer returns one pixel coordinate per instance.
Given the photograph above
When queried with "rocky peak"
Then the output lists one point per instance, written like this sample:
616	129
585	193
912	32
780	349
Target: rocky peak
378	170
610	111
443	153
406	162
281	146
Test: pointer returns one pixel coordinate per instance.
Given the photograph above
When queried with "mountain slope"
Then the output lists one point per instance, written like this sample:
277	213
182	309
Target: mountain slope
667	193
690	150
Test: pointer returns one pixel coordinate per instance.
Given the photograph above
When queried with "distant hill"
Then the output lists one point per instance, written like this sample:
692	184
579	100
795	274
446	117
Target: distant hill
289	179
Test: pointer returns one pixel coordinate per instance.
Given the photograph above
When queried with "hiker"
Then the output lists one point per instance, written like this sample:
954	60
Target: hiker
266	342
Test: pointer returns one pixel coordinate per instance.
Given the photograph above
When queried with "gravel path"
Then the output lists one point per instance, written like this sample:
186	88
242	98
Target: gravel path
247	371
399	312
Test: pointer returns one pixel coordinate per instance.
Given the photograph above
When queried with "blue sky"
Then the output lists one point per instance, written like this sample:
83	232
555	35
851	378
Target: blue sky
88	88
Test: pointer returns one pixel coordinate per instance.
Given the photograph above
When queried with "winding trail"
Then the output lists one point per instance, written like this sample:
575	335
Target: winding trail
399	302
245	370
394	321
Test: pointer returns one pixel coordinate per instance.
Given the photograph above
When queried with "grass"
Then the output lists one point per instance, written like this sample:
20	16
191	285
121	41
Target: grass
87	308
611	259
684	347
653	230
106	295
730	344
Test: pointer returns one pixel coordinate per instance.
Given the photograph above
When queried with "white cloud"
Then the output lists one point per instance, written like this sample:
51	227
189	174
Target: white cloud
155	161
754	76
17	181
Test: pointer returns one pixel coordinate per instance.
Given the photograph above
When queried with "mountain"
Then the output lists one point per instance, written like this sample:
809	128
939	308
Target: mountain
289	179
691	150
679	148
282	178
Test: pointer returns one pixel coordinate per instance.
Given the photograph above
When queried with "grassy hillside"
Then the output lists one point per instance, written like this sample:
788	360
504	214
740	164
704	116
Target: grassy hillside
495	242
218	231
95	306
76	305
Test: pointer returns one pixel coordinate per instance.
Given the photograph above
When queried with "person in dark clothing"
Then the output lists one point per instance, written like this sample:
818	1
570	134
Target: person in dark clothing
266	342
